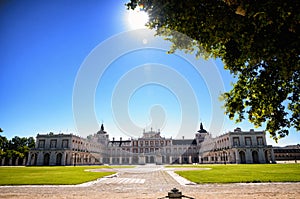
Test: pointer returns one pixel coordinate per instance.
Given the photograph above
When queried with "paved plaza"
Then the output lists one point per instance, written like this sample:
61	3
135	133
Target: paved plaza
151	181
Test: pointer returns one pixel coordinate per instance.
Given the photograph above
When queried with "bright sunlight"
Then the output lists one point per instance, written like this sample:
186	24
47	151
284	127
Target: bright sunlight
137	18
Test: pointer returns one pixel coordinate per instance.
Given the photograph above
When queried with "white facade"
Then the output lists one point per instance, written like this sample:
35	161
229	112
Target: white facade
237	147
64	149
233	147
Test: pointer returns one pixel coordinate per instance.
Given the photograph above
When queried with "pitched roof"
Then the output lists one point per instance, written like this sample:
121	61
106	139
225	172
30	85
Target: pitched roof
184	142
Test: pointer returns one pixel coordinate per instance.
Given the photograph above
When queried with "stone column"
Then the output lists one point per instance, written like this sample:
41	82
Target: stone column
130	160
68	158
237	157
2	161
158	159
24	161
63	159
180	160
110	160
190	159
272	156
141	159
52	159
248	155
261	156
120	160
72	159
28	163
170	159
230	156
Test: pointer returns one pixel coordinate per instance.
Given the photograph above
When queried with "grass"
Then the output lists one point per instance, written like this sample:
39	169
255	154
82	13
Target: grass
69	175
243	173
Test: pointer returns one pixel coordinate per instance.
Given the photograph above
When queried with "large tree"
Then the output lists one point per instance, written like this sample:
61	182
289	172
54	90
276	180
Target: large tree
17	147
3	145
257	40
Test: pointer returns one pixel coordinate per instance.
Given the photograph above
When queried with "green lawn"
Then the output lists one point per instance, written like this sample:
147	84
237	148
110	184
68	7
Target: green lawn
49	175
243	173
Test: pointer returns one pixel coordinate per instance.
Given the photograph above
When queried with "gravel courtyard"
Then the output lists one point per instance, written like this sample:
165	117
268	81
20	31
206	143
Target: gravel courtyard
151	181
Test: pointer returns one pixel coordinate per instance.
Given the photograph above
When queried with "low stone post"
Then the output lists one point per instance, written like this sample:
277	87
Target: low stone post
175	194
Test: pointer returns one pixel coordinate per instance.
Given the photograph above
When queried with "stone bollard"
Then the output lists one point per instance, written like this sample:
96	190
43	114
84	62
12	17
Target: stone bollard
175	194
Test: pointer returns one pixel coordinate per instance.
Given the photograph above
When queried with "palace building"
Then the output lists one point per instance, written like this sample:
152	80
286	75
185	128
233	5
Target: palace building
151	148
237	147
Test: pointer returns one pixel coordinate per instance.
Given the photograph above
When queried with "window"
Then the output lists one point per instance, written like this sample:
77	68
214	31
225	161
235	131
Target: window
41	143
65	143
53	143
260	141
248	141
146	143
236	141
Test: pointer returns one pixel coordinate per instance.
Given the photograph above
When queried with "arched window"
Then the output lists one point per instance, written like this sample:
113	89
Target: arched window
242	157
58	159
255	157
46	159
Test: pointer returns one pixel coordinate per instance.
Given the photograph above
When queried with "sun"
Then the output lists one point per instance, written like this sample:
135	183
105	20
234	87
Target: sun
137	19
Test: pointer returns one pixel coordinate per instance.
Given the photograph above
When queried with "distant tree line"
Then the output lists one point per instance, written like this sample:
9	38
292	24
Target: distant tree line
14	151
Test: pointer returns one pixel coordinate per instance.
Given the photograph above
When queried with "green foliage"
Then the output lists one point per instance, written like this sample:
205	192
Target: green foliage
244	173
3	145
259	43
17	147
49	175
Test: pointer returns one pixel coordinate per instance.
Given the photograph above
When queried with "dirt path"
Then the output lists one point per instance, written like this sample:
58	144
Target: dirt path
152	182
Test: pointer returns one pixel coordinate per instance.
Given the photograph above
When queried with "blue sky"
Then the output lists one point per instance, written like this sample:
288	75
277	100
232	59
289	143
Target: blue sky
44	48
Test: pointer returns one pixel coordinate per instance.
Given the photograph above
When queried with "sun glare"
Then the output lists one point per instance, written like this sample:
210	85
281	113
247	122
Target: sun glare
137	18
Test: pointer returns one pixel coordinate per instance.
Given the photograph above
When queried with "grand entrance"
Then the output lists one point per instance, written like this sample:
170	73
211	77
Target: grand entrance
46	159
58	159
255	157
242	157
